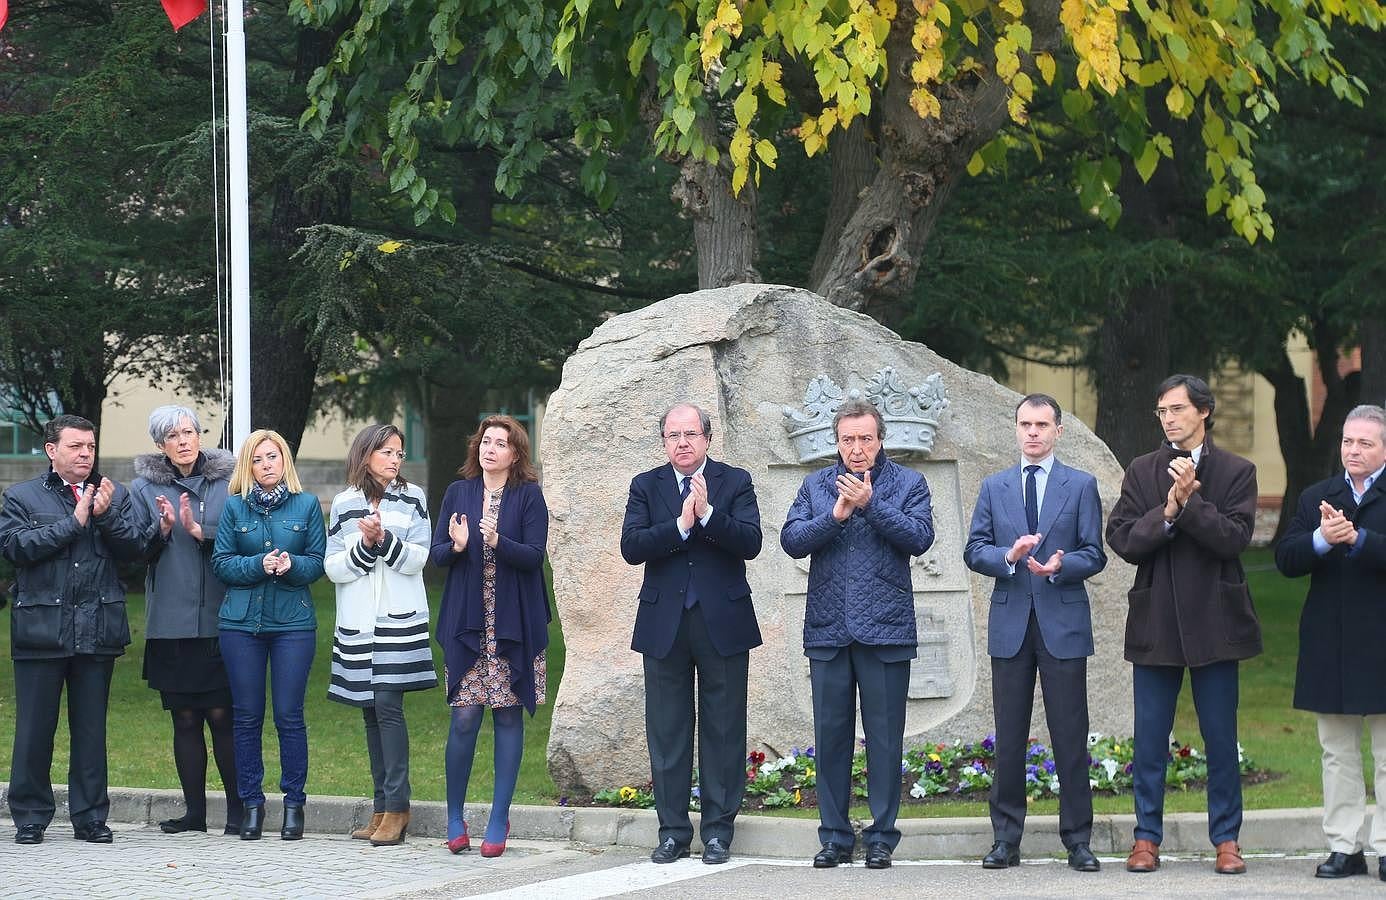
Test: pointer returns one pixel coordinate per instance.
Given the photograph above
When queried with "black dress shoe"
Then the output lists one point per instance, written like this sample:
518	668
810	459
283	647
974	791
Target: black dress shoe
1080	857
1001	856
669	851
716	852
832	855
252	823
1341	865
1381	867
29	834
878	855
232	828
178	826
292	829
92	833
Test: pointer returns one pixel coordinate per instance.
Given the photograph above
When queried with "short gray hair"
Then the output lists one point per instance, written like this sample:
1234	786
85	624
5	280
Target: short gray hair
850	409
703	418
165	418
1368	412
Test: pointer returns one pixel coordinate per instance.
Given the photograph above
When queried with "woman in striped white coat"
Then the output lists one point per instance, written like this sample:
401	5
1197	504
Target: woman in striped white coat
377	543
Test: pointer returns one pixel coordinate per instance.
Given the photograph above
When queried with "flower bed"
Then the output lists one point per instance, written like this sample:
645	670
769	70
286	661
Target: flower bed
947	771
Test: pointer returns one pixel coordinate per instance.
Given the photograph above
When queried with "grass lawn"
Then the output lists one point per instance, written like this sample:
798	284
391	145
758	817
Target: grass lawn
1276	736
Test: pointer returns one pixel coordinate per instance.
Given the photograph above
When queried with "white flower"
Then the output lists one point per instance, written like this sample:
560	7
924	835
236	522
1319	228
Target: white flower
1093	738
1110	766
1092	782
919	791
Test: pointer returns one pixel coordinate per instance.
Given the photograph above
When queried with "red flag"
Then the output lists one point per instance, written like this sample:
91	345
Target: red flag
180	12
4	12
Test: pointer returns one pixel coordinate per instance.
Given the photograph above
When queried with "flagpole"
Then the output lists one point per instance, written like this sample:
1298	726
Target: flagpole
238	195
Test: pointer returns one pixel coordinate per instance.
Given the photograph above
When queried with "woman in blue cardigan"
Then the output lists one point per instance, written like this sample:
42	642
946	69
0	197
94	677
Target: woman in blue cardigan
269	549
493	624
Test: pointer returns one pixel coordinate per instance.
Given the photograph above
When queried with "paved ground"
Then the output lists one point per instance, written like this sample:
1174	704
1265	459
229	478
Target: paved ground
145	863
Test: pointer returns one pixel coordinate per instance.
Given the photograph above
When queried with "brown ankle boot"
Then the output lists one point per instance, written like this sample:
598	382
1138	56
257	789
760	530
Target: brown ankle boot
391	830
364	833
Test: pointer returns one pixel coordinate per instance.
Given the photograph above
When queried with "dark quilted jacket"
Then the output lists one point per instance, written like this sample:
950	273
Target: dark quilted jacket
859	577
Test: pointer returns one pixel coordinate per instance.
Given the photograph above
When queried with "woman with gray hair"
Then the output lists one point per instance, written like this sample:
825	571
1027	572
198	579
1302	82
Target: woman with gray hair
180	491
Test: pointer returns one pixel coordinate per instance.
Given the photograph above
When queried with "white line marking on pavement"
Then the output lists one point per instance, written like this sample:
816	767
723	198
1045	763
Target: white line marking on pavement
619	880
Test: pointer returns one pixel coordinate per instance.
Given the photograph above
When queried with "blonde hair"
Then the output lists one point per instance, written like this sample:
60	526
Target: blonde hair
243	477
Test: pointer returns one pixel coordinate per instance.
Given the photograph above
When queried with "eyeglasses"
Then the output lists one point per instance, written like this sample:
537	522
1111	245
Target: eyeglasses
391	454
1175	410
851	440
674	437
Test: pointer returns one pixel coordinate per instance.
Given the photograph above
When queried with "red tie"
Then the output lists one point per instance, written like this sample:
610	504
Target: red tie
76	492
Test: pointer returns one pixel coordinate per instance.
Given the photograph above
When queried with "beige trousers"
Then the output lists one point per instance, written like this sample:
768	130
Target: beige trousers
1344	790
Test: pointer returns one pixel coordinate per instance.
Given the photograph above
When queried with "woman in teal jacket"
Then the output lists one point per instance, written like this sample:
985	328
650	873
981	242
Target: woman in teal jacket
269	549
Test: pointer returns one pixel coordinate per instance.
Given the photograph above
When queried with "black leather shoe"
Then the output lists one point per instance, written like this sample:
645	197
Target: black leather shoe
232	828
1341	865
1001	856
716	852
1080	857
832	855
29	834
878	855
669	851
1381	867
252	822
178	826
92	833
292	829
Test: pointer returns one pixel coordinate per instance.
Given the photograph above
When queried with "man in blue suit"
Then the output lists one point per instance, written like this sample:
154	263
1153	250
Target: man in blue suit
1037	529
693	524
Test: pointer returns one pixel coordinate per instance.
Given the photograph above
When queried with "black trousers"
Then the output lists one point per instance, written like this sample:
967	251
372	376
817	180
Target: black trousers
882	684
38	688
1064	685
720	719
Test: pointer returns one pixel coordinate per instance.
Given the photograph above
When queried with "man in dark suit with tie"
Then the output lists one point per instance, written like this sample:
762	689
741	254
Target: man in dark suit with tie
1037	529
693	524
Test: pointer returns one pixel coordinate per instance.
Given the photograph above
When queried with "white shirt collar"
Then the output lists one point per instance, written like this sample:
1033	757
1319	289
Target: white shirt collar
679	476
1366	483
1046	464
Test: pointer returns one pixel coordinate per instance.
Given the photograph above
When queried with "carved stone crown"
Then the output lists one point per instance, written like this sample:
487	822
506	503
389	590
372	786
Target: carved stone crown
911	414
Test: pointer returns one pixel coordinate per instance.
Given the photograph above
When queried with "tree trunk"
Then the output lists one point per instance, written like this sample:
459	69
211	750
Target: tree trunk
451	405
1372	387
724	226
1310	451
285	365
854	166
875	261
1133	345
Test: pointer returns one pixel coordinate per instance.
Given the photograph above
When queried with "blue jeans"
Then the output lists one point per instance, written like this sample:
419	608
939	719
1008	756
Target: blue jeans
289	656
1215	700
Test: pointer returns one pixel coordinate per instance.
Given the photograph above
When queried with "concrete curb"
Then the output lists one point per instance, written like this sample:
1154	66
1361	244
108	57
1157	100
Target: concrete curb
1263	831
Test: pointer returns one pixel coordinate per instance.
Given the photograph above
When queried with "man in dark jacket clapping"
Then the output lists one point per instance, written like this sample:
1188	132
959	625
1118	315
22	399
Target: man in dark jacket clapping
1338	539
860	519
1184	517
64	532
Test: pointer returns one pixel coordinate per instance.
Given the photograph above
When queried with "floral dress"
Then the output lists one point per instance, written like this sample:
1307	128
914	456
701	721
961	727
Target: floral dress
488	682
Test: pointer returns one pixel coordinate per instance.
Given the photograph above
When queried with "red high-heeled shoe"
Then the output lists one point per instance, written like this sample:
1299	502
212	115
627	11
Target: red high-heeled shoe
461	842
490	850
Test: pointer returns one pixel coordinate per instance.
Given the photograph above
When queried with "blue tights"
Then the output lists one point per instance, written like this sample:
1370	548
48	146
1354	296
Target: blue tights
461	750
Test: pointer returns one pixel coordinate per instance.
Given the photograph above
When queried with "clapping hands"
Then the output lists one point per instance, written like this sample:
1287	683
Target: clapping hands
277	562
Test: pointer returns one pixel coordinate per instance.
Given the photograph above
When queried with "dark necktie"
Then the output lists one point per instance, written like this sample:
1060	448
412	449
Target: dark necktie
689	598
1031	499
76	492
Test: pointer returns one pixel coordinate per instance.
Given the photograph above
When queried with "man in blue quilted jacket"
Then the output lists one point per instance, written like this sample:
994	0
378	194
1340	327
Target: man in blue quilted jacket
860	520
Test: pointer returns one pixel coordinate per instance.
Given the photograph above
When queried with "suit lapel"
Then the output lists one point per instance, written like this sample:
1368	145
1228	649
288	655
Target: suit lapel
1013	499
712	474
1055	496
667	486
